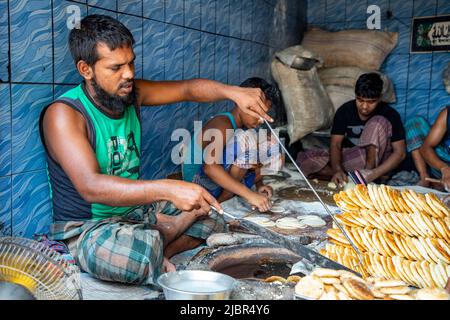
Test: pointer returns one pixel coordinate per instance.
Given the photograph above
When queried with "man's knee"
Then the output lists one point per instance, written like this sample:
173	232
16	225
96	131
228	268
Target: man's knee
202	229
378	126
378	120
126	256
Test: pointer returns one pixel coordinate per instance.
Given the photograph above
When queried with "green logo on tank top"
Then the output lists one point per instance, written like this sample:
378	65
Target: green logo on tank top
123	155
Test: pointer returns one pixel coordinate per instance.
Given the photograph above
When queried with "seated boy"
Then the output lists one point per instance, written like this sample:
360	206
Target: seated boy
233	170
367	135
430	146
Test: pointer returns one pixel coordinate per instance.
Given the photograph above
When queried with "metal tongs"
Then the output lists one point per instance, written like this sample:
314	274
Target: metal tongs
316	194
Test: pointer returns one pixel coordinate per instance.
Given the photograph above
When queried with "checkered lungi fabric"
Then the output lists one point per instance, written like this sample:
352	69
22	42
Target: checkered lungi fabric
417	129
126	249
377	132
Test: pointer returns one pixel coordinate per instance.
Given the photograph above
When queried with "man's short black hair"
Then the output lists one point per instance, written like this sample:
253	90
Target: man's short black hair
93	30
369	85
272	92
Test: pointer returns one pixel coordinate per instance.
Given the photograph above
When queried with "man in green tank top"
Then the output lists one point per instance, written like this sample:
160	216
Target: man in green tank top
118	226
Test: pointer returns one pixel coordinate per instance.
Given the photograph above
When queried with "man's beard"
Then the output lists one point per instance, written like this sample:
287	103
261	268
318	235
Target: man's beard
115	103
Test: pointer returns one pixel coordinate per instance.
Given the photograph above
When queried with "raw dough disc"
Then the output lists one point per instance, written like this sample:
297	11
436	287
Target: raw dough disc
308	216
289	223
312	221
262	221
277	209
332	185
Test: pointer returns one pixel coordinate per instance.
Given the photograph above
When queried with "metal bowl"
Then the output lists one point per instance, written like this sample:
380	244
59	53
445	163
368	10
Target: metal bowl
196	285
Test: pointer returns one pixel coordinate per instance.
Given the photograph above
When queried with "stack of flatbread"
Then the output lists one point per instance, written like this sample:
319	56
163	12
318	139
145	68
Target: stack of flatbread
328	284
402	235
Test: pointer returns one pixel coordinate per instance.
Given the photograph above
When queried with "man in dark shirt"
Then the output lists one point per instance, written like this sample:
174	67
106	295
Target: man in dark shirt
367	135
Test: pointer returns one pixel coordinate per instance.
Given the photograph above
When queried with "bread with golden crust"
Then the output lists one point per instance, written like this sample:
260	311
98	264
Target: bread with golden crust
357	289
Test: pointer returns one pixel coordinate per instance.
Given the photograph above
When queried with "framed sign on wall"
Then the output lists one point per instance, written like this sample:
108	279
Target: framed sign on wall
430	34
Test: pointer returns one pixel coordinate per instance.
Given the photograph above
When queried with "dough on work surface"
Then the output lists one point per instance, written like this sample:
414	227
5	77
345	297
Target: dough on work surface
332	185
289	223
312	221
262	221
277	209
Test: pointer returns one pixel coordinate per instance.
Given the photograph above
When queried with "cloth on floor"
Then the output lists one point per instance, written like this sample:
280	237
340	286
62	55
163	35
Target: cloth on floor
377	132
404	178
127	249
57	246
95	289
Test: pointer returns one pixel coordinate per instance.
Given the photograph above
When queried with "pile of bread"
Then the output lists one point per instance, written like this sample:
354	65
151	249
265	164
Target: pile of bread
328	284
402	235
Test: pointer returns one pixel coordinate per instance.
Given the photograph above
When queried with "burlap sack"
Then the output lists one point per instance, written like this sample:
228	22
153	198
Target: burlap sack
340	95
308	107
347	77
366	49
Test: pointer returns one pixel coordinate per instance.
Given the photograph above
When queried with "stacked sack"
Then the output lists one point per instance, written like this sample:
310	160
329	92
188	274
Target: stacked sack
346	55
402	235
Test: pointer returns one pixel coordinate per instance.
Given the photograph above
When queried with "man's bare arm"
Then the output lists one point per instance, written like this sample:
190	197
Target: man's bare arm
251	100
67	142
339	176
434	137
392	162
336	152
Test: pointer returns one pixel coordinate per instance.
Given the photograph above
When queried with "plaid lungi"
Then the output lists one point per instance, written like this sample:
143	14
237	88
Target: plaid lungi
417	129
126	249
377	132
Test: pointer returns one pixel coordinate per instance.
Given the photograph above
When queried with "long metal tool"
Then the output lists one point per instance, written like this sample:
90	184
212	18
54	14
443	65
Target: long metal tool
315	193
295	246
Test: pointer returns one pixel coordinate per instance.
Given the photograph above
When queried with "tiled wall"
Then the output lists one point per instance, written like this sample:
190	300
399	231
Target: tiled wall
226	40
417	77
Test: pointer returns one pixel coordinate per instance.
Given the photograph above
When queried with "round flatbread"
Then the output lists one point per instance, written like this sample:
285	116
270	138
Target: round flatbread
432	294
289	223
308	216
313	221
310	286
324	272
262	221
358	290
277	209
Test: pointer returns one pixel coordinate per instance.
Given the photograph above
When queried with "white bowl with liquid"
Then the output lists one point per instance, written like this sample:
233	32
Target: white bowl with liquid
196	285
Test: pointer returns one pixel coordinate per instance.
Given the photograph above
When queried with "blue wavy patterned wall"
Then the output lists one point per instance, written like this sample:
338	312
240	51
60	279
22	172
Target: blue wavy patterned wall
226	40
417	77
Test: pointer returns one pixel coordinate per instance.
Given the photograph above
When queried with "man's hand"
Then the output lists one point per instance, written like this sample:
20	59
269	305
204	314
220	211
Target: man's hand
339	178
251	100
188	196
168	266
446	177
368	175
259	201
266	190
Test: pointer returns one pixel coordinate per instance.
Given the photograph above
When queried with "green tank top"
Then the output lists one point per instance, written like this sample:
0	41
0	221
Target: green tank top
117	146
